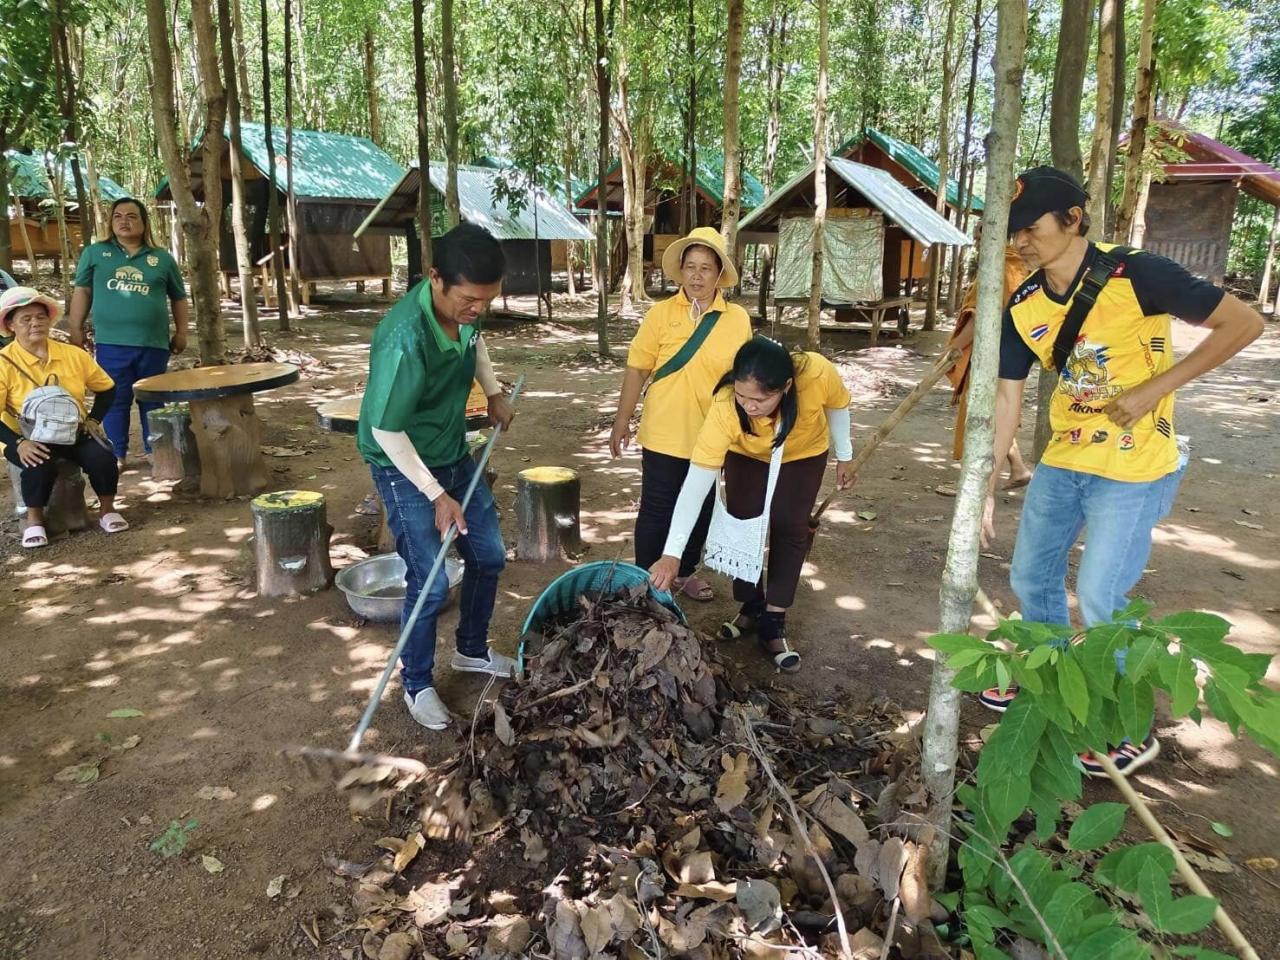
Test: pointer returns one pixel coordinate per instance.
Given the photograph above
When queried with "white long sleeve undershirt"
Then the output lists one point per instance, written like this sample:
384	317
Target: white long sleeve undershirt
400	450
699	481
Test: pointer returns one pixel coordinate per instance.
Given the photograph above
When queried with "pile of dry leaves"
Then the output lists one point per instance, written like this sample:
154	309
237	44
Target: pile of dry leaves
631	798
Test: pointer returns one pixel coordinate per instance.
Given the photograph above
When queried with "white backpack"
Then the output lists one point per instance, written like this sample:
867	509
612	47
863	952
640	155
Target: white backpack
49	413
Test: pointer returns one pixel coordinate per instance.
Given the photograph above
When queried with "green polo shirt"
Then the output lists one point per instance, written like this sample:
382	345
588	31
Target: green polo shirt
131	294
419	381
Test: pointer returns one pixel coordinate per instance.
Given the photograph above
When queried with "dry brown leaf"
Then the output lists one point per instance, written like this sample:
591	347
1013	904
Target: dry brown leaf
713	890
413	845
565	934
626	918
429	903
866	945
840	817
216	793
345	868
502	902
761	905
509	935
917	902
597	928
397	946
456	939
502	725
78	773
694	868
655	648
731	790
535	851
393	844
893	857
1262	863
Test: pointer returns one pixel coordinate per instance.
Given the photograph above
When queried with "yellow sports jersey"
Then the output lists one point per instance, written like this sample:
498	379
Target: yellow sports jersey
675	406
818	388
1123	342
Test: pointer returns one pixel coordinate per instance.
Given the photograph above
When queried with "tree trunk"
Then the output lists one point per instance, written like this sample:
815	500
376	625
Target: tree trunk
1119	94
777	41
453	210
966	175
959	577
242	63
371	86
239	227
944	162
424	134
65	75
273	194
1101	148
814	337
1268	267
570	281
732	146
1064	147
57	181
195	219
1133	164
602	162
634	122
214	146
689	218
6	246
291	199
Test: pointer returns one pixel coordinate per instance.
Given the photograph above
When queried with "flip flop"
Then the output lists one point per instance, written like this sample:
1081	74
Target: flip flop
695	588
786	659
34	536
113	523
1018	484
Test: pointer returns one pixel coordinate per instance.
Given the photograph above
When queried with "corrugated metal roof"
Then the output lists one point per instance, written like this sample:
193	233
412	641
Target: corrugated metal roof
709	177
882	191
324	164
476	198
1209	159
29	179
914	161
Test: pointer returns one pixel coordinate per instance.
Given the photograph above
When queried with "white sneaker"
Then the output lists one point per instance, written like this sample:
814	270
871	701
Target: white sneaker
495	663
428	709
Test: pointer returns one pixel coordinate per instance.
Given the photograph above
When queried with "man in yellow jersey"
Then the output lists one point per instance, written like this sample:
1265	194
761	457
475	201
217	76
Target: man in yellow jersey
1112	465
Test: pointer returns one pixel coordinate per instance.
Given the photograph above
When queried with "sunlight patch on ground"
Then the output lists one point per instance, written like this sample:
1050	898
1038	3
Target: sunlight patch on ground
851	603
341	632
263	802
1220	548
204	733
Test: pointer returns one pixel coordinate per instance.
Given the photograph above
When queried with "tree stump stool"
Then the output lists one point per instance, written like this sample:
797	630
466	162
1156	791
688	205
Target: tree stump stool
548	502
174	454
229	440
291	542
66	511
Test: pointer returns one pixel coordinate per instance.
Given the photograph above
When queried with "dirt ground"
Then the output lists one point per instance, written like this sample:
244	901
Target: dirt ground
165	620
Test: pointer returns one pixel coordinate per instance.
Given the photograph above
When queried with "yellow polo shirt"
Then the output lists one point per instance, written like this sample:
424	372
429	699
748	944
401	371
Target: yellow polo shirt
69	367
675	406
818	389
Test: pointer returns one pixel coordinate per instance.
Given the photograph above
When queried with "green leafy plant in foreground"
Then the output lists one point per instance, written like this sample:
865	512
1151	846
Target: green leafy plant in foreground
175	838
1073	699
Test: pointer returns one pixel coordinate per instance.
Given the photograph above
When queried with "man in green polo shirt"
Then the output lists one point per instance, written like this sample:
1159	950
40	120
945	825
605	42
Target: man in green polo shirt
131	285
424	356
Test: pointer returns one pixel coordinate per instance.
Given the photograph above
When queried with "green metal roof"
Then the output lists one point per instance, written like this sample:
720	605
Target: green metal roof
29	180
325	164
709	177
913	160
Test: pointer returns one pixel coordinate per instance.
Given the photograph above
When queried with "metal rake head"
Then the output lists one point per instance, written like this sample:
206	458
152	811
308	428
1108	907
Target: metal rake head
364	778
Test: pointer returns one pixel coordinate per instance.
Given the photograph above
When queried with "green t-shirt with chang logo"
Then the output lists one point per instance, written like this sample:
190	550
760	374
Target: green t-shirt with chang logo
131	294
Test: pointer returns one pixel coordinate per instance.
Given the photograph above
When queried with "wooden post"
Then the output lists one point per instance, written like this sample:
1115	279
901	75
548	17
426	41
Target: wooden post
65	511
291	543
547	508
174	454
228	437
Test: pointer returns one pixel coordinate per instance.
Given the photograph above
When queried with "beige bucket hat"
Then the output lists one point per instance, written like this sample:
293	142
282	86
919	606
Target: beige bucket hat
705	237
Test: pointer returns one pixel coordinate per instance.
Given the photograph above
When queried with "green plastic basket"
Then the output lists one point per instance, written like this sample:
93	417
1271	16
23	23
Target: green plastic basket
561	596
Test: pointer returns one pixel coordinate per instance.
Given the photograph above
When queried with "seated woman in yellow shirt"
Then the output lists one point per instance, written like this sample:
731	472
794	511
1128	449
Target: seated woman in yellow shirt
33	360
685	344
769	398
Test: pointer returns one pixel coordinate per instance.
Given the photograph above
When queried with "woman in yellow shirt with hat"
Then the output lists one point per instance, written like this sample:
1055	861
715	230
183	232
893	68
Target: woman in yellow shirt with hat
683	347
770	402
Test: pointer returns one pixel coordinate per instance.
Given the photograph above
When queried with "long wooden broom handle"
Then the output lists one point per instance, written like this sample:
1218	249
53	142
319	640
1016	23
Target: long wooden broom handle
939	370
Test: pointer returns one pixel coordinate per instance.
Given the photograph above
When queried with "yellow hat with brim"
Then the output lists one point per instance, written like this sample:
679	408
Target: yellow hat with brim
16	297
700	237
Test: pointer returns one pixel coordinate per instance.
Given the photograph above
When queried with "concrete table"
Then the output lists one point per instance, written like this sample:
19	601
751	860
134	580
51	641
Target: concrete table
228	432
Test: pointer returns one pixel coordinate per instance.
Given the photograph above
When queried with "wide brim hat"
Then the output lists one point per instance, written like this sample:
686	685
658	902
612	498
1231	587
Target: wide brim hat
704	237
16	297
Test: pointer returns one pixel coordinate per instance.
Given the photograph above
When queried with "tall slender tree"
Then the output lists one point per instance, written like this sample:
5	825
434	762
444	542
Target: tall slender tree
449	67
64	72
960	572
732	144
276	254
371	85
689	212
242	63
776	45
1101	148
819	178
290	197
24	98
966	174
603	35
937	254
1134	167
239	217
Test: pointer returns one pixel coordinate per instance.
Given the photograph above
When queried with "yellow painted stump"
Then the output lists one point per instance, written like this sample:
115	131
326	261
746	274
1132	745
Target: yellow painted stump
548	503
291	542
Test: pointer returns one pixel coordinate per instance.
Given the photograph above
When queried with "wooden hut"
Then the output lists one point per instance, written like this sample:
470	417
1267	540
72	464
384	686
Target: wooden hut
912	168
872	219
338	180
1190	211
33	221
488	198
664	197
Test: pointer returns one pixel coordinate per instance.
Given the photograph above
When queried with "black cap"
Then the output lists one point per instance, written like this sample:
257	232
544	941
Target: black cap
1042	190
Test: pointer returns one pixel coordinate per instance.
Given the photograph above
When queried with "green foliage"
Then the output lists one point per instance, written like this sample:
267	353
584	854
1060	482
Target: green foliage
1074	699
175	838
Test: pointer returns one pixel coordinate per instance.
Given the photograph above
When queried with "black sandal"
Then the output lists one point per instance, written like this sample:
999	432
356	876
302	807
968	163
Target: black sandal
773	629
731	630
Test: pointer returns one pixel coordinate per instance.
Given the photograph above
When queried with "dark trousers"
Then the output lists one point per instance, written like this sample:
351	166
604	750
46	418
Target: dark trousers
745	481
94	459
661	479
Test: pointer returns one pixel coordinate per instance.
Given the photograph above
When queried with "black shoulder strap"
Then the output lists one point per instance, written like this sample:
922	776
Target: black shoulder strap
686	352
1104	265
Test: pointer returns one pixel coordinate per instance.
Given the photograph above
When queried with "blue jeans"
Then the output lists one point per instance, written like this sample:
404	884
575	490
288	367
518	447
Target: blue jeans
1118	518
412	519
127	365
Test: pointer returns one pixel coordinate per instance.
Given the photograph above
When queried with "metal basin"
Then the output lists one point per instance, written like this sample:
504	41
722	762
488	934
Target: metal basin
375	587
